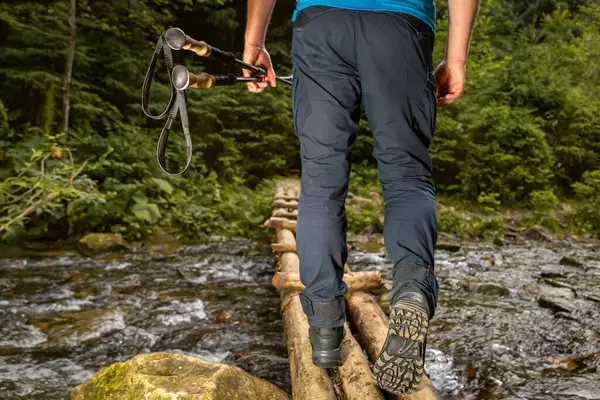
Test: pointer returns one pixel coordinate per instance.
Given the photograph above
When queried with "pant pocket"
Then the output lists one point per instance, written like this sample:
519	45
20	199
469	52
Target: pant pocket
425	112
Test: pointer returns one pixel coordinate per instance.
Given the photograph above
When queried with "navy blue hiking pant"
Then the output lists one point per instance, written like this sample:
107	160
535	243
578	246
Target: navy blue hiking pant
384	59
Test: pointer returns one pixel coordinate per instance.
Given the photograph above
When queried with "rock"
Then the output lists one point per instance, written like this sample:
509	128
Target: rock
96	243
499	242
556	299
451	247
487	288
571	262
162	244
539	234
70	328
223	316
86	292
164	376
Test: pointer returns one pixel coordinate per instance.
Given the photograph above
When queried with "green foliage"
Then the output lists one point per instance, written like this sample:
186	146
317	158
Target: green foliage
543	200
588	215
451	221
525	133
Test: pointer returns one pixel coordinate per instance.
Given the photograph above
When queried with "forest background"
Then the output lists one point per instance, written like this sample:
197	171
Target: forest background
77	155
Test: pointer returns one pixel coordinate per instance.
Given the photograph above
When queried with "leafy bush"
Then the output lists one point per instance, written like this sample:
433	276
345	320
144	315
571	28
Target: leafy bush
588	214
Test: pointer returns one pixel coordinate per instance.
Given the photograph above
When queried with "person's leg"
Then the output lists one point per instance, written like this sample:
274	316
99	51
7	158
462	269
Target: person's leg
395	64
326	104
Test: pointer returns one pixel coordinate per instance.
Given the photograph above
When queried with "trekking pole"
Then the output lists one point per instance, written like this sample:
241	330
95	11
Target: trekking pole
183	79
178	40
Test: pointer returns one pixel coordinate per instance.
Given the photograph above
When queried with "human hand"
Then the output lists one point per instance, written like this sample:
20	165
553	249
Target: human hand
258	56
449	81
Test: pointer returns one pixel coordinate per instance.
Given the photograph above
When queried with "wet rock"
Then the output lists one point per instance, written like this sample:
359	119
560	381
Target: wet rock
451	247
86	293
556	299
97	243
577	364
162	244
71	328
487	288
164	376
79	276
499	242
223	316
571	262
538	233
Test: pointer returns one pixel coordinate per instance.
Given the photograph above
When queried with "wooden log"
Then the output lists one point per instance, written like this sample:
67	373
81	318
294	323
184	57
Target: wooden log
287	204
309	382
355	374
371	323
366	280
280	223
283	213
285	241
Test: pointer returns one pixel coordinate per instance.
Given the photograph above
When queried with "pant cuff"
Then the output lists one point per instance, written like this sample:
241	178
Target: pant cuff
324	314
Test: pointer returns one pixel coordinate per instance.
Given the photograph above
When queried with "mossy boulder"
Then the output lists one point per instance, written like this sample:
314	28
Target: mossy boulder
97	243
165	376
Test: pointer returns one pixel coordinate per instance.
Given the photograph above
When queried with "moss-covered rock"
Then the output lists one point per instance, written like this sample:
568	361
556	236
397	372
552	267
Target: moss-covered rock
97	243
164	376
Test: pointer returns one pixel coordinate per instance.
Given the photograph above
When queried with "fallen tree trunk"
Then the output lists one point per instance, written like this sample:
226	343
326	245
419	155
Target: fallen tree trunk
285	242
355	374
371	323
287	204
280	223
283	213
354	281
309	382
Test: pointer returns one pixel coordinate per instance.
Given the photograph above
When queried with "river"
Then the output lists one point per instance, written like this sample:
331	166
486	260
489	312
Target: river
63	317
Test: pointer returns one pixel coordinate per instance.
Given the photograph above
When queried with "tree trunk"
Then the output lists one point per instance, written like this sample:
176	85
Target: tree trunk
68	77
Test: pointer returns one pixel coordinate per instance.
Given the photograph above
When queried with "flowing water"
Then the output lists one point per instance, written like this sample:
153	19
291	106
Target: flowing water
64	317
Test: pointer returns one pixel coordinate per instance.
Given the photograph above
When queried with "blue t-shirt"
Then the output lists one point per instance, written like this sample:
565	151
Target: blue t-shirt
422	9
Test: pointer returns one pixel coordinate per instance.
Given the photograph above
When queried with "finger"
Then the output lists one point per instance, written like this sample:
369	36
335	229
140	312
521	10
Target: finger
252	87
271	77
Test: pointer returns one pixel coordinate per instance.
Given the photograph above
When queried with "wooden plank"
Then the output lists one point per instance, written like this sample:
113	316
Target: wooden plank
280	223
287	204
355	374
365	280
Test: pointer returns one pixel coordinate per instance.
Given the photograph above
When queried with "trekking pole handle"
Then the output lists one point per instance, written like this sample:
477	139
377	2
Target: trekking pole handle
177	40
183	79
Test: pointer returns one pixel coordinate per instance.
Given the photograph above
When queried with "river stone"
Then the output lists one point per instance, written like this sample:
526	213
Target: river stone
539	234
487	288
165	376
162	244
97	243
70	328
571	262
451	247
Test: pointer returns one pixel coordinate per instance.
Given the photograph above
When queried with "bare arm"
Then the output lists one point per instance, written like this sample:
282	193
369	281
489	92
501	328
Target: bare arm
450	75
259	15
462	15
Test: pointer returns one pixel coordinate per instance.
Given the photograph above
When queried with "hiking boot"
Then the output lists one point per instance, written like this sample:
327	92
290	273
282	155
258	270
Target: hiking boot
399	368
326	346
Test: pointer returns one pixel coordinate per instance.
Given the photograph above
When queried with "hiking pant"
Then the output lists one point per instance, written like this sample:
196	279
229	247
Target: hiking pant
384	59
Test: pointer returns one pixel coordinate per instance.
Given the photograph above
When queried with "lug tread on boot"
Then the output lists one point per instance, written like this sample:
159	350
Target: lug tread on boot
400	366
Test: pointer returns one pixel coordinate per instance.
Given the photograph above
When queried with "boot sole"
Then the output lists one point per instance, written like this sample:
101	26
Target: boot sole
327	358
399	368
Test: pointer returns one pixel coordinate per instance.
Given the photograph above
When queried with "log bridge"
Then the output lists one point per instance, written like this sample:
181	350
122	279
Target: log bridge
352	381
